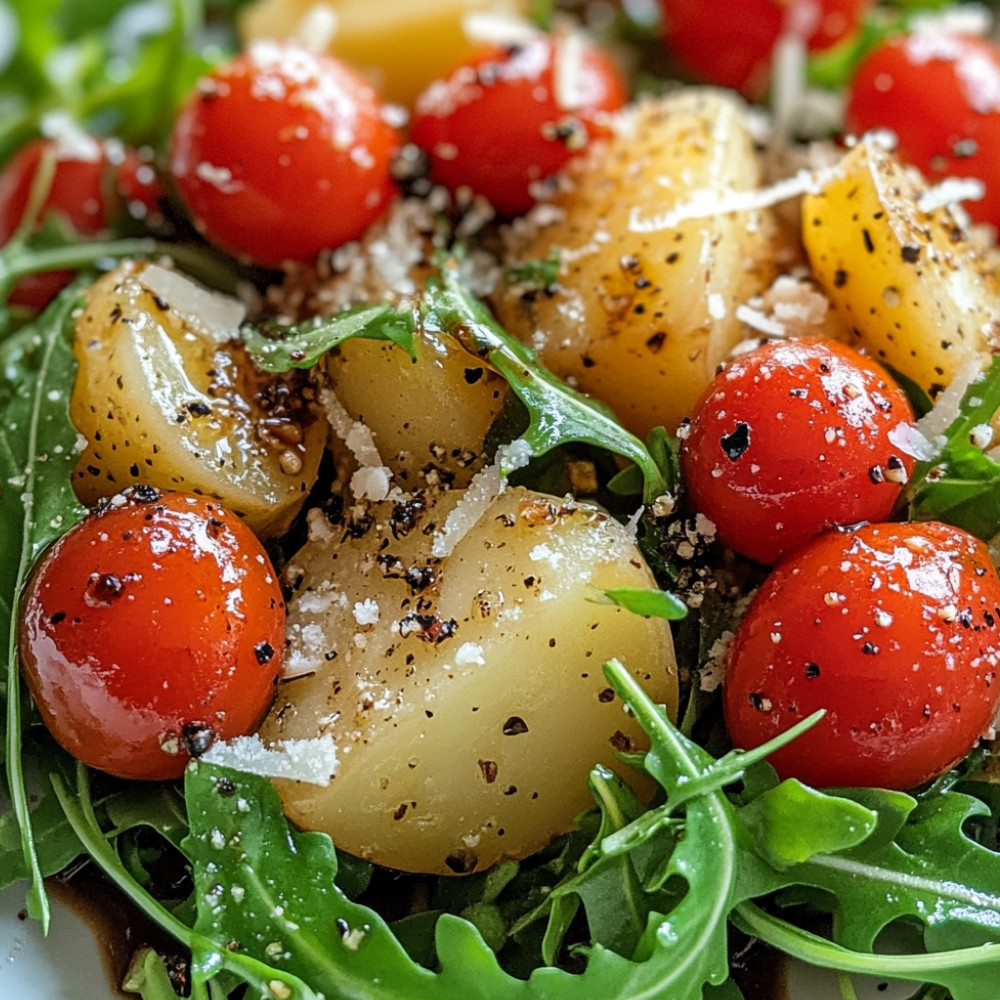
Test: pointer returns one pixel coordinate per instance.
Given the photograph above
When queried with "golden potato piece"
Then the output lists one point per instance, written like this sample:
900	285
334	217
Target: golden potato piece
166	398
917	291
429	417
642	315
402	45
465	695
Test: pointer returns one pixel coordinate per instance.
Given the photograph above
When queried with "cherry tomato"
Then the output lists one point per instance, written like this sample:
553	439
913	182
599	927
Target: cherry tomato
729	42
893	629
283	153
509	117
151	629
94	182
792	439
940	95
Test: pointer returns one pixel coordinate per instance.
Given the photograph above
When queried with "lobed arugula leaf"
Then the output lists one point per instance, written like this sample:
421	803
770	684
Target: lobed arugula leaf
961	485
558	414
280	348
116	66
37	453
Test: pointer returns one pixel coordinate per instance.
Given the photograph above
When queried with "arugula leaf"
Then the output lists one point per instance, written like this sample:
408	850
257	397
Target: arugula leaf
543	273
920	865
558	413
648	603
121	70
961	485
280	348
37	504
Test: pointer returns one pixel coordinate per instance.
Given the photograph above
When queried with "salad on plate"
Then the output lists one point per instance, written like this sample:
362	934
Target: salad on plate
500	499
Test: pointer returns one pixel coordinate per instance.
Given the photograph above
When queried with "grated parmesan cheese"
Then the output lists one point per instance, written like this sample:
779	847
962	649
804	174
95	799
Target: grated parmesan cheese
485	486
312	761
212	313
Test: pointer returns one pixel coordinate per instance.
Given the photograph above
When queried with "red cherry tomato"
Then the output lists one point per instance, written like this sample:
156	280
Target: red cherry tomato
940	95
94	182
893	629
512	116
792	439
150	630
729	42
283	153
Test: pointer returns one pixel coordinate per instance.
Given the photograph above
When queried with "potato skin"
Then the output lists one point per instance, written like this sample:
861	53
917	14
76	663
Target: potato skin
163	402
468	715
642	319
916	290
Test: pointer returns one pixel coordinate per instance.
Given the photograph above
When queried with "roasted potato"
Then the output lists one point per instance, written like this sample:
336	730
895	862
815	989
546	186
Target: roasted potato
918	292
166	396
429	415
465	695
641	315
402	45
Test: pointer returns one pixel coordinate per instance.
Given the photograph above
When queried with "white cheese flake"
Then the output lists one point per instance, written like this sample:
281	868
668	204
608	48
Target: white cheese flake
313	761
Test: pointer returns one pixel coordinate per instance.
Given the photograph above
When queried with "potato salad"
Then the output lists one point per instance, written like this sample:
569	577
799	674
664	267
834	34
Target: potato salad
501	499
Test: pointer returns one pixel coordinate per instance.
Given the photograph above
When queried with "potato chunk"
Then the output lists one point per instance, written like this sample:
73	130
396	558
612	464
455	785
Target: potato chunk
402	45
918	293
641	317
166	398
430	415
465	695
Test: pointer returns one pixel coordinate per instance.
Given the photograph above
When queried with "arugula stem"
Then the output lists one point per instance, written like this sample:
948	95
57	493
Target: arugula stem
80	815
815	950
79	811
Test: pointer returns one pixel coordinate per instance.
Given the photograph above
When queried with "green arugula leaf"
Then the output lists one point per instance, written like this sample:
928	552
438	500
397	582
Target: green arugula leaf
55	843
961	485
280	348
37	453
147	975
791	823
269	893
648	603
558	413
122	70
920	865
542	273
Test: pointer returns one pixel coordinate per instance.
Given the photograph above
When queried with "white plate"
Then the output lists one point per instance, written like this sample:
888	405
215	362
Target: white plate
68	965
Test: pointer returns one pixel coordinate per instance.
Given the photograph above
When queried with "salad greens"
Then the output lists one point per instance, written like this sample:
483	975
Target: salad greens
640	901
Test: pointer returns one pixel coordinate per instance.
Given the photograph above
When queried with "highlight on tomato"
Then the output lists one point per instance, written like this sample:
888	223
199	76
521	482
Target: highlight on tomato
894	630
731	42
514	115
939	94
792	439
151	629
94	183
283	153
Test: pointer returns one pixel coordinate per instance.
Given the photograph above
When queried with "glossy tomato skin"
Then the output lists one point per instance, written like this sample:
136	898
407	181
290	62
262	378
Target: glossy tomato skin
94	182
283	153
512	116
792	439
730	42
893	630
150	630
940	95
